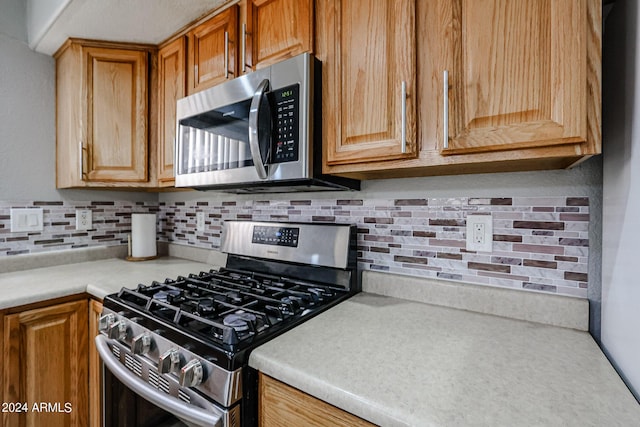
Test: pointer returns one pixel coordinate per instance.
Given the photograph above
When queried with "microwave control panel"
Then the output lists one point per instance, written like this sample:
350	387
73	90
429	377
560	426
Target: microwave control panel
286	133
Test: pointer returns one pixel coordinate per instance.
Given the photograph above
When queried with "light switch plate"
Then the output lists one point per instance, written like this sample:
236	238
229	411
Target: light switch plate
84	219
26	219
479	233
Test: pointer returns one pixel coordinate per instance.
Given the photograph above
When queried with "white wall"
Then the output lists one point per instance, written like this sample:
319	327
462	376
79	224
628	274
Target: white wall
621	192
27	119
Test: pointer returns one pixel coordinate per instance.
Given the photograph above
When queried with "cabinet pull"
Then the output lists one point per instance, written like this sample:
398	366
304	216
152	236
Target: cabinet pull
226	54
445	115
403	138
80	159
243	47
175	157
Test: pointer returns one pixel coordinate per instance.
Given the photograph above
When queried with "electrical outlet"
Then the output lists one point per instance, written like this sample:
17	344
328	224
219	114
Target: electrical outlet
84	220
479	233
200	221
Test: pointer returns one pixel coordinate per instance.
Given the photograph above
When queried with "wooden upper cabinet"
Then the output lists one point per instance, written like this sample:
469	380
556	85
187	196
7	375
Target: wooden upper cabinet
102	115
276	30
368	51
45	360
212	51
116	126
171	87
517	74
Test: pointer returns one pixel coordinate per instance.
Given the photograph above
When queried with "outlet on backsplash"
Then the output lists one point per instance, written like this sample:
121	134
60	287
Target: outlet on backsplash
479	233
84	220
200	221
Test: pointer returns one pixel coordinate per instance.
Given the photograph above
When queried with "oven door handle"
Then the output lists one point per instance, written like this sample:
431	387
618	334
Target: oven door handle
188	413
254	123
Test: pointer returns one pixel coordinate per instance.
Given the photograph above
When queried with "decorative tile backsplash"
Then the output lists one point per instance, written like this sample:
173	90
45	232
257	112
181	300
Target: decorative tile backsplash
111	226
539	244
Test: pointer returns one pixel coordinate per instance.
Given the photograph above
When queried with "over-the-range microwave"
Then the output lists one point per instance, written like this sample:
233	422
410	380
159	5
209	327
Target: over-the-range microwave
260	132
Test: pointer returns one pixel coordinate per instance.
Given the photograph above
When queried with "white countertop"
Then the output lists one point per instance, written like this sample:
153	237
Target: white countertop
396	362
98	278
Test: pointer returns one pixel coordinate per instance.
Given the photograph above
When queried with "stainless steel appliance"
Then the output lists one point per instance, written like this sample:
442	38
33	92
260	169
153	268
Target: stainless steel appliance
257	133
176	352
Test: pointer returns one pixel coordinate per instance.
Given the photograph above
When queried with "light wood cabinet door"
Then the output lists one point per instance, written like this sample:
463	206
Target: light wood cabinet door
276	30
102	114
171	87
212	51
517	74
282	405
523	88
45	361
116	117
368	51
95	367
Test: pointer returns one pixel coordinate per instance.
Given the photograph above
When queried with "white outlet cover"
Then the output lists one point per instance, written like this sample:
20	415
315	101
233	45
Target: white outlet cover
485	243
84	219
27	219
200	221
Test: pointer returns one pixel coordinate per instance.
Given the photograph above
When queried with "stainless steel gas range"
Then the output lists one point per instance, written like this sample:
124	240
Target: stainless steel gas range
176	352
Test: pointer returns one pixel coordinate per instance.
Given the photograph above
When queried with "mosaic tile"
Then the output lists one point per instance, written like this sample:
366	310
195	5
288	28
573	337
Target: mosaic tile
541	242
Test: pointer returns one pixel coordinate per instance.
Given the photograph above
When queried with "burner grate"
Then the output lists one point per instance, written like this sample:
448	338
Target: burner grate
228	306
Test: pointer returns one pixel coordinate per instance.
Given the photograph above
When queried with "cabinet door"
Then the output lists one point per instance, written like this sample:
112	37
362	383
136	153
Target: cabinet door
517	74
115	90
95	367
282	405
277	30
45	362
171	87
212	51
368	52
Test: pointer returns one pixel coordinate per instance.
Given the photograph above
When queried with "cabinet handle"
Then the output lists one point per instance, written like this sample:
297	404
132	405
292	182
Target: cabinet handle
175	158
243	47
403	138
445	115
226	54
80	159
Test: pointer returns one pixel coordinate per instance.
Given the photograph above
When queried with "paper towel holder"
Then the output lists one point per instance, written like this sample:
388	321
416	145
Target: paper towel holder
141	242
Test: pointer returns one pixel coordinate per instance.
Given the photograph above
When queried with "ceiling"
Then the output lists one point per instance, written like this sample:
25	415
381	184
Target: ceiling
50	23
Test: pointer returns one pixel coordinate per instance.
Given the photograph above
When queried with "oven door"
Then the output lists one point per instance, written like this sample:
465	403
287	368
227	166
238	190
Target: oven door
131	401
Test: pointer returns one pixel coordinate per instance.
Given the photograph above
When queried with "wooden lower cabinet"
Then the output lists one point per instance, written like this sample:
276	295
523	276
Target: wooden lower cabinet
95	367
282	405
44	366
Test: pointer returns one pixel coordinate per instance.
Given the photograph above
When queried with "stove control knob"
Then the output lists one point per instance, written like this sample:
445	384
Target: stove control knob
117	330
169	361
106	321
191	374
141	344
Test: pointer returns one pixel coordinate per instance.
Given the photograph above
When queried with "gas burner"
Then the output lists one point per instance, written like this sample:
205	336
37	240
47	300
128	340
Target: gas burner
240	321
163	295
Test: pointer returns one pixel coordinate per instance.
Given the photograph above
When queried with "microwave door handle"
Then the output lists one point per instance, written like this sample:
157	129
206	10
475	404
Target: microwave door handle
254	140
191	414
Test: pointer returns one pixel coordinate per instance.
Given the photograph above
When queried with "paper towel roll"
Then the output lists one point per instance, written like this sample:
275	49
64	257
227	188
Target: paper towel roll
143	235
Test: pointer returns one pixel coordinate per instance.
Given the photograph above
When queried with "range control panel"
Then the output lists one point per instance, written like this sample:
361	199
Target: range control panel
287	111
279	236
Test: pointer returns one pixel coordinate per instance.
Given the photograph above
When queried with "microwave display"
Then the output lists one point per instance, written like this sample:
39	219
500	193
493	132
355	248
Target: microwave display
286	136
